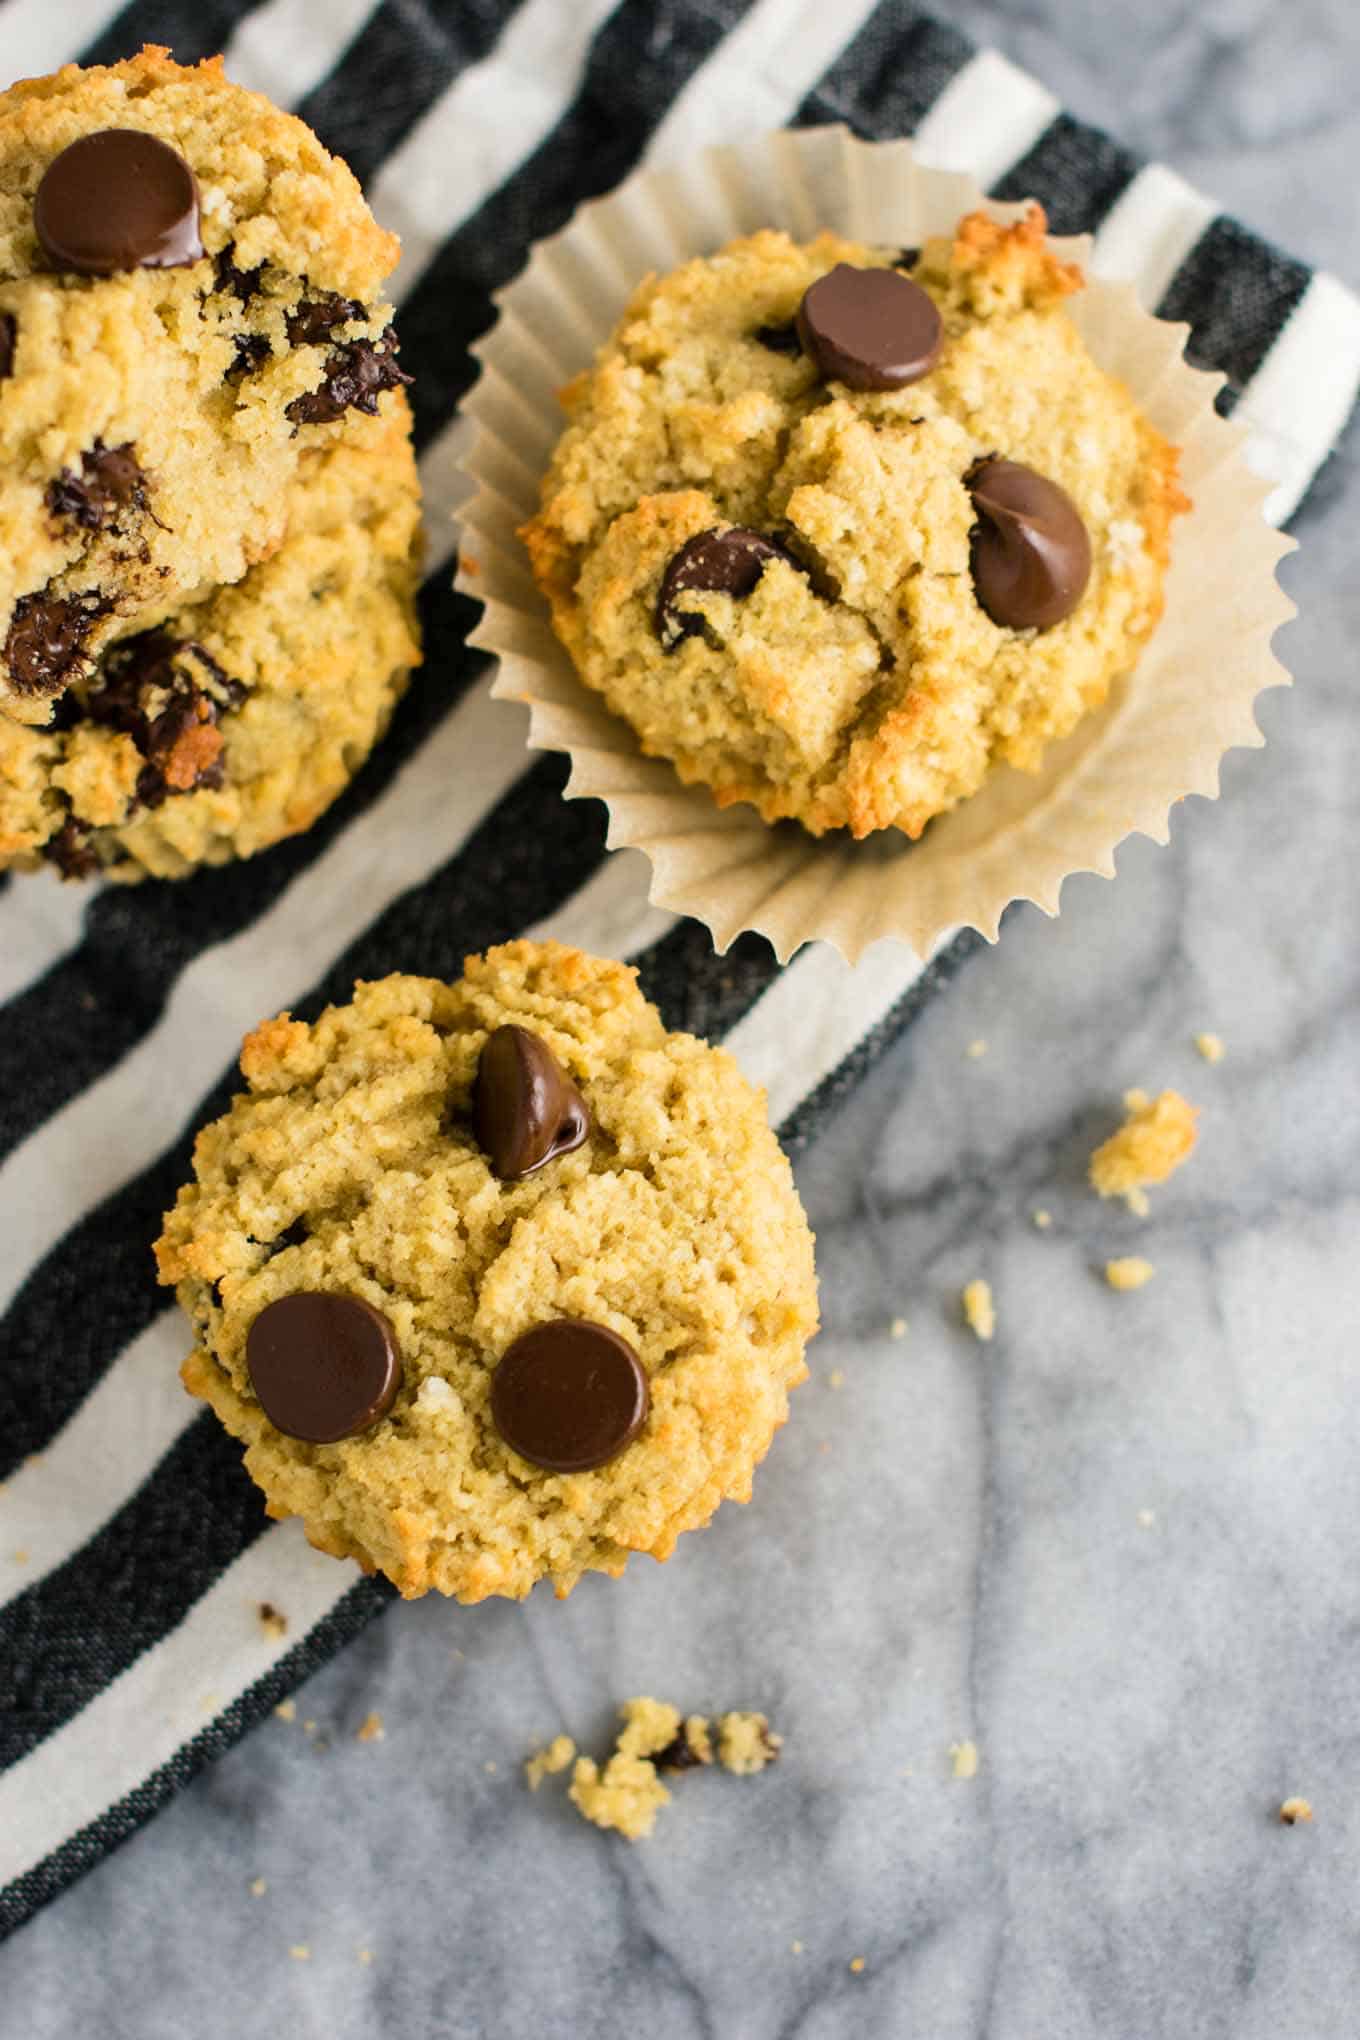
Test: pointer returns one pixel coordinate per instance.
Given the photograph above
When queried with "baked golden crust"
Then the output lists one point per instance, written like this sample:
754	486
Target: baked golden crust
873	691
350	1164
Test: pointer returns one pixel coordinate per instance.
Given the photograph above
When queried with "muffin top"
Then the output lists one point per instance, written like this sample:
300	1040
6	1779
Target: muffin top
836	527
368	1162
191	296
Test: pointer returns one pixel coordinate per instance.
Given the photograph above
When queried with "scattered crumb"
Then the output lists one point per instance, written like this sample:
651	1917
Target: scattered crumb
547	1762
21	1556
1043	1219
857	1965
365	1956
287	1710
490	1768
1158	1134
907	1771
746	1743
836	1378
258	1888
271	1621
1210	1047
210	1702
371	1729
300	1952
825	1445
898	1328
796	1946
964	1757
978	1308
1295	1810
1128	1271
692	1746
1137	1202
469	565
309	1728
976	1050
1146	1518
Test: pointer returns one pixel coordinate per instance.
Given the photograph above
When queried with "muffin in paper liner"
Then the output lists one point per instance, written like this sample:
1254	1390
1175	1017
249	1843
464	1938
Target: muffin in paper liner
1160	734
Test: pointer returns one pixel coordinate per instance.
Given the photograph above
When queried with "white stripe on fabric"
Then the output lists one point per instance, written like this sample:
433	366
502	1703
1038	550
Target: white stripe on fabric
477	133
1149	230
986	118
120	1124
42	917
758	76
38	35
168	1696
132	1416
59	1499
287	47
827	1007
1304	391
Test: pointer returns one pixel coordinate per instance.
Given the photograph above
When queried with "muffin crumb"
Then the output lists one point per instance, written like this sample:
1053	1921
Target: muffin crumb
286	1710
371	1729
898	1328
1043	1219
1295	1810
547	1762
1128	1271
258	1887
1210	1047
274	1624
976	1050
979	1309
746	1743
965	1759
627	1792
1158	1134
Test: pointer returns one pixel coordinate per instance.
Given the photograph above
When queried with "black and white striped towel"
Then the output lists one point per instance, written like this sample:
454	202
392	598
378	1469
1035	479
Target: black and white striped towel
133	1551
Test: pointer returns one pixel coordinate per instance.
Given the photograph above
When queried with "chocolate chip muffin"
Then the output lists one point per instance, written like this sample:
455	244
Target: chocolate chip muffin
498	1281
235	718
837	528
191	300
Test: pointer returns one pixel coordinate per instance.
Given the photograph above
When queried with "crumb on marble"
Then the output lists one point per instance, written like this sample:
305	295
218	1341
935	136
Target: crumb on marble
692	1746
547	1762
365	1956
1146	1518
490	1767
22	1555
964	1758
979	1309
1210	1047
898	1328
1128	1271
1295	1810
309	1728
976	1050
1043	1219
272	1622
258	1888
796	1947
627	1792
286	1710
836	1378
300	1952
1157	1135
371	1729
746	1743
857	1965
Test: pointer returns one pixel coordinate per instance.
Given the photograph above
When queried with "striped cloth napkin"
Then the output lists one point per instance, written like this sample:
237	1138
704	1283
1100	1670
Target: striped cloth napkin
133	1550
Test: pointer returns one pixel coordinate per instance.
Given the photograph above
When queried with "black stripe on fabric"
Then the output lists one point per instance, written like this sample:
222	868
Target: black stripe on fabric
699	991
1074	171
403	57
1236	292
889	76
189	29
624	94
81	1851
97	1001
68	1635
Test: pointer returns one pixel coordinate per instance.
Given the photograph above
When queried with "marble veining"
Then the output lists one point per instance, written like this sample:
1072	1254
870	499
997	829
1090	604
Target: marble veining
1115	1548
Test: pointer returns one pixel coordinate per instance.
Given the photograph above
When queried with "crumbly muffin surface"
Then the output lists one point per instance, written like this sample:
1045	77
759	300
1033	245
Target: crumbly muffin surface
350	1164
152	420
859	684
219	726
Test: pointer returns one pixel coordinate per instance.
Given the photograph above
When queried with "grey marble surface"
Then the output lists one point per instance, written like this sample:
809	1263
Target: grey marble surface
1115	1547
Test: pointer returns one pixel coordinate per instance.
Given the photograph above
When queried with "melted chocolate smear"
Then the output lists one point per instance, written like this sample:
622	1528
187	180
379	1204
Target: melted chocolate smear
252	351
782	339
356	376
8	333
70	851
315	319
241	283
168	695
45	645
110	480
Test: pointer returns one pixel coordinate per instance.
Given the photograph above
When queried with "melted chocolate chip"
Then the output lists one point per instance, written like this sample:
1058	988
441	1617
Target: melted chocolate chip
239	283
252	351
168	694
1030	551
526	1109
681	1755
70	851
119	199
356	376
315	319
110	480
324	1366
9	332
872	329
569	1395
47	634
713	562
907	258
780	339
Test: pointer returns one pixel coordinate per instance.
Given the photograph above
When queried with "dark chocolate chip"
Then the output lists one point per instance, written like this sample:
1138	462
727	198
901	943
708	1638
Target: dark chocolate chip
252	351
682	1754
70	851
9	331
119	199
872	329
239	283
569	1395
315	319
168	694
780	339
525	1107
110	480
713	562
47	633
907	258
355	377
1031	554
324	1365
